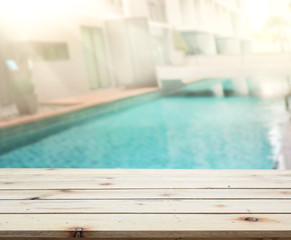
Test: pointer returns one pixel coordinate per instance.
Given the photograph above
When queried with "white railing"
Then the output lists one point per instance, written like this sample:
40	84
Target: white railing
220	66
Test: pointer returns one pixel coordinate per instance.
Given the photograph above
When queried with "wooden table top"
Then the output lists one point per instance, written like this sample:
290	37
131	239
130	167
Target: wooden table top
145	204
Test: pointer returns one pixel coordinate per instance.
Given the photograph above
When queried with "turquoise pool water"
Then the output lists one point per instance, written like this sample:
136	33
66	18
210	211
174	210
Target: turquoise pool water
169	132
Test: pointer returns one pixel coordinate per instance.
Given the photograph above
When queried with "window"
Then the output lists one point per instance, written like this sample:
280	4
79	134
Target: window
49	51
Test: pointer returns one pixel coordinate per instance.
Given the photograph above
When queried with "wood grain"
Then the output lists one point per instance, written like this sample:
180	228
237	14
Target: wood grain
73	194
145	204
146	225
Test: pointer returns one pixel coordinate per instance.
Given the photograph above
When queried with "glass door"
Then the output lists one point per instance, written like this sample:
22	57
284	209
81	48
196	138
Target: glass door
94	50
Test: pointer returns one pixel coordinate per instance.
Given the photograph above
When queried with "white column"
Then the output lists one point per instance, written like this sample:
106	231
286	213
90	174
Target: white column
240	86
228	46
206	43
217	89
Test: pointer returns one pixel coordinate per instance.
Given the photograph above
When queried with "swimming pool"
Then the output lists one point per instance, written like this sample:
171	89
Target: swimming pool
169	132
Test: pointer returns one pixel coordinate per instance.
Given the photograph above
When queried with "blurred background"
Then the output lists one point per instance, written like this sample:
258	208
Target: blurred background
71	54
70	48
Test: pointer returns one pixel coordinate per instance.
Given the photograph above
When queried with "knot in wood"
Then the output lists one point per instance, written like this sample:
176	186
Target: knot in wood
251	219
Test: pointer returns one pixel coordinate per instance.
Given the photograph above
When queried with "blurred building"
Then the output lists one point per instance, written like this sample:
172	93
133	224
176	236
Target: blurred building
211	26
79	46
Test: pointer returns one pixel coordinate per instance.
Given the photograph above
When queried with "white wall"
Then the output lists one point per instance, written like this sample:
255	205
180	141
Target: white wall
61	78
131	49
173	12
137	8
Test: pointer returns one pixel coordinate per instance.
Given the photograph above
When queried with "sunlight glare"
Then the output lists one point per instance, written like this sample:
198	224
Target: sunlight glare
258	11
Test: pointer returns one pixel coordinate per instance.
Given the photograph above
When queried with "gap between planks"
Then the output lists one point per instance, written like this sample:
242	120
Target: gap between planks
150	238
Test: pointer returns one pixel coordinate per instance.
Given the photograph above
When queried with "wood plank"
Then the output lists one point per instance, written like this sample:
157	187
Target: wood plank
165	204
145	206
167	172
146	183
88	174
63	194
104	177
145	225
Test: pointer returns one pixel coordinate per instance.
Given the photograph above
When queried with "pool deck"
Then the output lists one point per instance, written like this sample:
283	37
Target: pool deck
144	204
71	104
